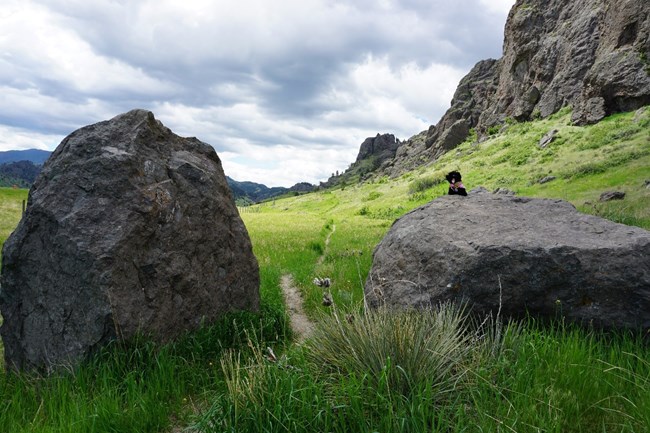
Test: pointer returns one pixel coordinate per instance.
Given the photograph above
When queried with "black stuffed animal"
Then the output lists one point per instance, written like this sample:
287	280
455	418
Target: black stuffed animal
455	185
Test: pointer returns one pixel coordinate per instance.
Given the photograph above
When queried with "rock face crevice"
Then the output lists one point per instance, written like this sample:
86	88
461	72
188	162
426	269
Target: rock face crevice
515	255
129	229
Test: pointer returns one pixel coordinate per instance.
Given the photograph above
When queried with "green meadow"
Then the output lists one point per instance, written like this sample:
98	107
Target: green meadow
380	370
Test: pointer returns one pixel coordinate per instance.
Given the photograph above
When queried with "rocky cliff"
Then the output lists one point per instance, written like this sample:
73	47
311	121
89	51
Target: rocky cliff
375	153
593	55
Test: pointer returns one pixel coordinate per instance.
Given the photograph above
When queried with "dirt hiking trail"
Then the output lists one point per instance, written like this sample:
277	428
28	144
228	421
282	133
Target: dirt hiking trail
301	325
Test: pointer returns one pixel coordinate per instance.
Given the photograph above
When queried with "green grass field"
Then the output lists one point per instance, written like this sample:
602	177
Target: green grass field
378	371
11	205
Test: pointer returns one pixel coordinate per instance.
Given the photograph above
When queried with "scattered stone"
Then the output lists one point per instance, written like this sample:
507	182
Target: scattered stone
327	299
479	190
546	179
639	115
548	138
129	229
647	183
504	191
612	195
322	282
518	256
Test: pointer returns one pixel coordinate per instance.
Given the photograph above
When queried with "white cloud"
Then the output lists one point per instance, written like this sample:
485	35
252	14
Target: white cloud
286	91
21	139
36	48
498	6
277	152
285	165
407	95
29	107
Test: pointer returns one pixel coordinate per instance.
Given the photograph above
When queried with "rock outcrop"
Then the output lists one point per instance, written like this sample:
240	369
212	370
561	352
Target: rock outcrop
129	229
593	55
517	255
379	148
373	154
590	54
471	99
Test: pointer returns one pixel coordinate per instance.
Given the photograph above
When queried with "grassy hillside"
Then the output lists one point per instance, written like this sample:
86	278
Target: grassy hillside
586	161
379	371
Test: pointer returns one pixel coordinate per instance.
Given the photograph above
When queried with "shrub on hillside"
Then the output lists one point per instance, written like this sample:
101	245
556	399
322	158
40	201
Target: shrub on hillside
424	183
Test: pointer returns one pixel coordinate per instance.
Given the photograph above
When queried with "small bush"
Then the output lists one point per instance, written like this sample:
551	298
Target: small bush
424	183
624	133
613	160
372	196
364	211
419	197
382	213
618	212
316	246
472	137
494	129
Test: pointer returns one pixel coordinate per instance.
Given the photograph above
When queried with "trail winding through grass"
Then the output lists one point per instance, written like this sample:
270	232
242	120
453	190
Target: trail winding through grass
327	242
301	325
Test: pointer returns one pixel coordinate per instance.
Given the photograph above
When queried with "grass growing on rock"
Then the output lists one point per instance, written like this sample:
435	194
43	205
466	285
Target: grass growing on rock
369	370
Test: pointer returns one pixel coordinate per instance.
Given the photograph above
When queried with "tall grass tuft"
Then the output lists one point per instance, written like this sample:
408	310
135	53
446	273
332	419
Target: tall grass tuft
424	183
265	395
406	348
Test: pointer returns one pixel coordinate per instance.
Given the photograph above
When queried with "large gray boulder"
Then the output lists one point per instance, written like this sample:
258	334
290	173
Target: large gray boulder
129	229
520	255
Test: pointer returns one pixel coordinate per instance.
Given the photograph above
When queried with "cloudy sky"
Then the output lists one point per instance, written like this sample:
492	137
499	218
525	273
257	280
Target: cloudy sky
284	90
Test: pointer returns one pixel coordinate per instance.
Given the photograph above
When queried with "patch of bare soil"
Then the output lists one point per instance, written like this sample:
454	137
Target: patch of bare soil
300	323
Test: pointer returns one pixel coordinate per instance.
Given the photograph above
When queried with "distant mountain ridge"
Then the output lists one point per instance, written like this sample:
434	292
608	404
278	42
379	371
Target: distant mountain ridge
19	168
19	174
36	156
251	192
